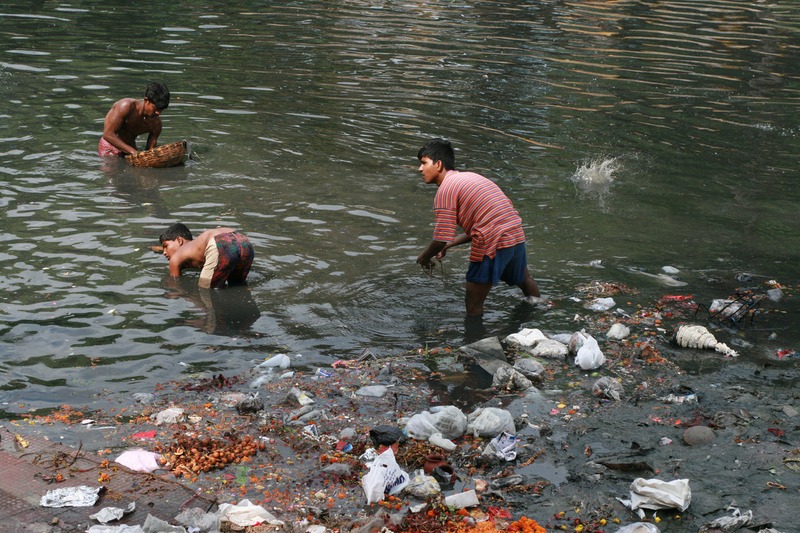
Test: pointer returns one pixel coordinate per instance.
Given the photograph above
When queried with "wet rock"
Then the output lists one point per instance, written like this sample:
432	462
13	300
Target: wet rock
530	368
489	346
549	348
698	436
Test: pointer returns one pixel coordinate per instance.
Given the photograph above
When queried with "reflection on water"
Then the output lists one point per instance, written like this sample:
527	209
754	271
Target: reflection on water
636	134
229	312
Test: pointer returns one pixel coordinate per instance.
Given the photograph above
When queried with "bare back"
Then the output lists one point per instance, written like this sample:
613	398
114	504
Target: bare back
193	253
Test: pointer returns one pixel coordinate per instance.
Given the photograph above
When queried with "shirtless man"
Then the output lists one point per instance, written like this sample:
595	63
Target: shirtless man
128	118
221	254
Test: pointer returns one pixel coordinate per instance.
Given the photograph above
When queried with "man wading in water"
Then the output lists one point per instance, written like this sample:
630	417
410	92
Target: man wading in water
488	219
128	118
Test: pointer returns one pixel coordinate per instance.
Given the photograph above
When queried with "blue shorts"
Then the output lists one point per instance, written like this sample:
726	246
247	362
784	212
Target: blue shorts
509	265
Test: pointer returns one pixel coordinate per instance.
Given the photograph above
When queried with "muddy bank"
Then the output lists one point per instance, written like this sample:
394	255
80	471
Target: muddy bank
289	439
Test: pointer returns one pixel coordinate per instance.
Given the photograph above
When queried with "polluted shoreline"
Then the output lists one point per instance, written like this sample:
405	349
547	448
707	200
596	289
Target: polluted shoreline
596	430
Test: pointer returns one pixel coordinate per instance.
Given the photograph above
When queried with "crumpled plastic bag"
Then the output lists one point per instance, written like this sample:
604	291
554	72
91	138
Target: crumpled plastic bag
601	304
490	421
526	337
589	356
509	378
197	519
153	524
80	496
639	527
731	523
139	460
246	514
172	415
384	477
386	435
107	514
280	360
608	387
422	486
115	529
448	420
656	494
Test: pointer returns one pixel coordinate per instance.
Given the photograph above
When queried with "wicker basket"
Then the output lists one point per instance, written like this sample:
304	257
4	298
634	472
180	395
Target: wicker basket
167	155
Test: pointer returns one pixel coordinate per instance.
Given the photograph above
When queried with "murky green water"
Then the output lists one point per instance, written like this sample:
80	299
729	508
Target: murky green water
643	134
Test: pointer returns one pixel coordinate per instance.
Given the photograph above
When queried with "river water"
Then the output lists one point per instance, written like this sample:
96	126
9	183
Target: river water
639	134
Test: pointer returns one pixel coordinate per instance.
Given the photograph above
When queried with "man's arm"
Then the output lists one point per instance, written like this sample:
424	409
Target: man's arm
461	239
152	138
431	251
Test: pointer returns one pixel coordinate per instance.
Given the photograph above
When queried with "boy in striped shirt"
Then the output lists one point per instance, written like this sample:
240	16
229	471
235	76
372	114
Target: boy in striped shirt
488	219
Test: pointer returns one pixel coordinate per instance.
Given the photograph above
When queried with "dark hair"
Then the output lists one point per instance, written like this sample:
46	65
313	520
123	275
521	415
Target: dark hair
439	150
174	231
157	93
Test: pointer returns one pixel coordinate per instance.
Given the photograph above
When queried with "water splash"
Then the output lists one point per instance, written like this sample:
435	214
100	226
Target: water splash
594	179
599	172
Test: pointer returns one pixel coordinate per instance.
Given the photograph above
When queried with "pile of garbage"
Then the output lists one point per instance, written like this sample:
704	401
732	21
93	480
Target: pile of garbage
369	445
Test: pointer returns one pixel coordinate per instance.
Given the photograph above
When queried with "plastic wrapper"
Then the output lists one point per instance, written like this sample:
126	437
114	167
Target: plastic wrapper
246	514
80	496
109	514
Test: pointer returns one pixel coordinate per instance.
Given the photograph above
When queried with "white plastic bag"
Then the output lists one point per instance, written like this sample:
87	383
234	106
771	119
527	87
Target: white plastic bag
384	477
490	421
590	357
421	426
450	421
139	460
656	494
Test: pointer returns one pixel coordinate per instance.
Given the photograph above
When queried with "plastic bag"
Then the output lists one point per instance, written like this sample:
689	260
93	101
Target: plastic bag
384	477
509	378
590	357
490	421
386	435
422	486
656	494
639	527
450	421
420	426
139	460
608	387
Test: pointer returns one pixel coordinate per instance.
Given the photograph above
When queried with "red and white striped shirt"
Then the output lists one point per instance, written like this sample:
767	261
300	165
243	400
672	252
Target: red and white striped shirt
482	210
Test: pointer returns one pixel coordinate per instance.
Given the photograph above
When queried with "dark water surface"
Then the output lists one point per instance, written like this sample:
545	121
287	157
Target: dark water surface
643	134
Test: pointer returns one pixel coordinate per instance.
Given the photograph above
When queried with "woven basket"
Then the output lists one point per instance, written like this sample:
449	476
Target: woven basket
166	155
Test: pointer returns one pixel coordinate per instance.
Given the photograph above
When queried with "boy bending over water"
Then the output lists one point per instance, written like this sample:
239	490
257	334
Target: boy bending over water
221	254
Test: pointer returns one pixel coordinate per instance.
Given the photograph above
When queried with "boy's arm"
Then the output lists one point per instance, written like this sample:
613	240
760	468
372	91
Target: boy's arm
175	263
